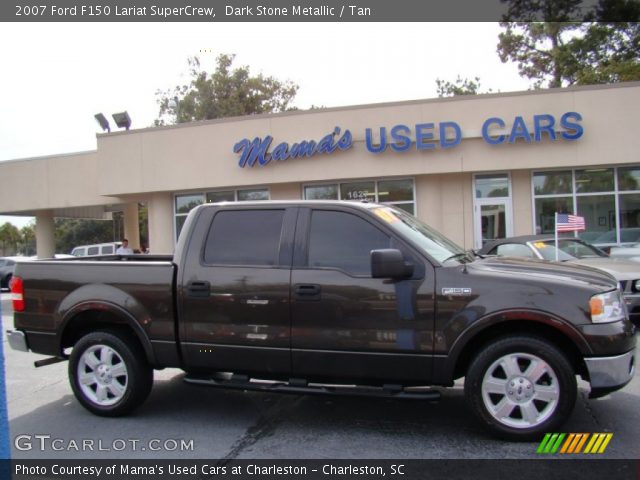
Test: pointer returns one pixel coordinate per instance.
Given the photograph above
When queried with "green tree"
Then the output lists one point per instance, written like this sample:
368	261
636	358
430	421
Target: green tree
560	51
226	92
459	87
28	240
9	239
71	232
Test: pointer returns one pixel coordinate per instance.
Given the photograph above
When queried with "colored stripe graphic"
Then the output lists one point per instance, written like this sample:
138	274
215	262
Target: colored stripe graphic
553	443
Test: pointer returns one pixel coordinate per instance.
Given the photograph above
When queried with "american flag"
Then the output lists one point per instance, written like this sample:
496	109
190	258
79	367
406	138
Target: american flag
569	223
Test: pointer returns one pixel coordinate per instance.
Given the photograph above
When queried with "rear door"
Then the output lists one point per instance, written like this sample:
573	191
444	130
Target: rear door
345	324
234	293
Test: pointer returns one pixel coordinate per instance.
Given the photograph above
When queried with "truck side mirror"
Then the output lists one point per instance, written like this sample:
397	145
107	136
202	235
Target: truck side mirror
389	263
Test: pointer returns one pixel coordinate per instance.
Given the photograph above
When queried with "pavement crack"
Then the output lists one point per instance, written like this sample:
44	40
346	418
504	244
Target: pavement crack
587	406
267	422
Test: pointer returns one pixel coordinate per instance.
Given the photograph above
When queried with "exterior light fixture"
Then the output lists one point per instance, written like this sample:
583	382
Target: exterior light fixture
122	119
104	123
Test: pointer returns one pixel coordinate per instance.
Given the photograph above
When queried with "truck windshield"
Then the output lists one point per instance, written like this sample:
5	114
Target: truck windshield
431	241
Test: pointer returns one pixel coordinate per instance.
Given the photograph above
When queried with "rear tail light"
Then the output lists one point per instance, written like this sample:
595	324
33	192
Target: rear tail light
17	294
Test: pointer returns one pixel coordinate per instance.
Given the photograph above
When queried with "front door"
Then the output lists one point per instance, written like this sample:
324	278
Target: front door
347	325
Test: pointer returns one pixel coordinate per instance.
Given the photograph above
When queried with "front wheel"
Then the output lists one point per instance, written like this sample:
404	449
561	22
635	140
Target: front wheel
108	375
521	387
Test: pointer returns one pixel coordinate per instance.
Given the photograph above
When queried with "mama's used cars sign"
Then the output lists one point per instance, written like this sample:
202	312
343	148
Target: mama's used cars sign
423	136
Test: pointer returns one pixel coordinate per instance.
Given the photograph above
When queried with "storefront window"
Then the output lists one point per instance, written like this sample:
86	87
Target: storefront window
226	196
629	178
594	196
259	194
546	209
358	191
399	193
184	203
492	186
594	180
321	192
552	183
599	212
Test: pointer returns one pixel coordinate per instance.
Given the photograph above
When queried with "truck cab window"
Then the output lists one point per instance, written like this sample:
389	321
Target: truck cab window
344	241
244	237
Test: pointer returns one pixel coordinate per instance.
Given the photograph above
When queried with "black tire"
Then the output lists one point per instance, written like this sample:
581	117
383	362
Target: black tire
528	407
114	385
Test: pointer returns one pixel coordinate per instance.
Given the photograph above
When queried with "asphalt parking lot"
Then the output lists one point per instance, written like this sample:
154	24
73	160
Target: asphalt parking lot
185	421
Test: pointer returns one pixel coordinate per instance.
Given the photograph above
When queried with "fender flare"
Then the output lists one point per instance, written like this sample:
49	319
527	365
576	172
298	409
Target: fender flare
561	326
125	318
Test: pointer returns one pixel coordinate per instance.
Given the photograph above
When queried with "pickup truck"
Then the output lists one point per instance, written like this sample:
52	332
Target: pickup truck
329	297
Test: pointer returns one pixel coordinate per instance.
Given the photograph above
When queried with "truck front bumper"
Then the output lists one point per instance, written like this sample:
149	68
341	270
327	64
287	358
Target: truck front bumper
17	340
608	374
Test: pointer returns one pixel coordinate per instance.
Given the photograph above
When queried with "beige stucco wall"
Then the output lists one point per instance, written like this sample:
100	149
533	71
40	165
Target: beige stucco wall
49	183
445	203
286	191
200	156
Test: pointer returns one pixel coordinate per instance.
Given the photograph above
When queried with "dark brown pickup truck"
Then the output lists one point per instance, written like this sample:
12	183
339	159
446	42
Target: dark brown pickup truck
331	297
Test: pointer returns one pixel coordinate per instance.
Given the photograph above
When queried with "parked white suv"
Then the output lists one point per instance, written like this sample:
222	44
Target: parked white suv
96	249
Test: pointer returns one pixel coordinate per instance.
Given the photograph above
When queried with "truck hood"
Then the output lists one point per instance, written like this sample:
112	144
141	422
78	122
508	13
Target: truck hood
546	271
621	269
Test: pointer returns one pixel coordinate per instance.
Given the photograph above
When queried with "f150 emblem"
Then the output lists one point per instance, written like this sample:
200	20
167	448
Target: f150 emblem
456	291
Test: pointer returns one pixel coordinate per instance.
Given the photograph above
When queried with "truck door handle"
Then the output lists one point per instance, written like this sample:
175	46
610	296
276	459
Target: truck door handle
307	291
199	289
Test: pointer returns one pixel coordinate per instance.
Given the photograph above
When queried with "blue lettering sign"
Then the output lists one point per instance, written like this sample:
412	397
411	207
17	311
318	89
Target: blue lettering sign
253	151
402	142
485	131
368	140
519	130
257	151
423	136
450	142
544	124
574	130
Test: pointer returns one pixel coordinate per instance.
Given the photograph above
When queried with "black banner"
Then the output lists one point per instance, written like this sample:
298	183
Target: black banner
579	469
302	11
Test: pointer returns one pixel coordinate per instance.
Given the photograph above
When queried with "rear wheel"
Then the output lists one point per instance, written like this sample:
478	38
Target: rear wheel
108	375
520	387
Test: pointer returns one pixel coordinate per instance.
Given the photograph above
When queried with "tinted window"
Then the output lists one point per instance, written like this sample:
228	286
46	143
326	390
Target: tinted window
93	251
344	241
244	237
513	250
107	250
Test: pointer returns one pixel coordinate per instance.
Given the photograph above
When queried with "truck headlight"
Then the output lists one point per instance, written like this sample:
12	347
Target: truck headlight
607	307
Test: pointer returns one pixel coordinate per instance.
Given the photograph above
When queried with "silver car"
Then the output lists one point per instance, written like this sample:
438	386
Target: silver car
543	247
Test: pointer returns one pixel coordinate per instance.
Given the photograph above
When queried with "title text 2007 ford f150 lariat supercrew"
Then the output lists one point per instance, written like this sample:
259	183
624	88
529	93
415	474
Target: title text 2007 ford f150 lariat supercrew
309	293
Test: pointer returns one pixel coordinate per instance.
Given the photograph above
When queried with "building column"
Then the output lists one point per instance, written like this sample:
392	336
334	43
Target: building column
161	233
45	234
132	225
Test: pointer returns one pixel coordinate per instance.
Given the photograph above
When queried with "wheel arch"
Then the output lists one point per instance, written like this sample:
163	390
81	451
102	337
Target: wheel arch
546	327
94	316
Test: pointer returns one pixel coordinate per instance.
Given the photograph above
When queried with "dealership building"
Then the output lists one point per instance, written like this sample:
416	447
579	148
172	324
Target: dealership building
473	167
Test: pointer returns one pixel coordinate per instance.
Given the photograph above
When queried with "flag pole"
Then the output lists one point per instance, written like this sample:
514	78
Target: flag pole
556	235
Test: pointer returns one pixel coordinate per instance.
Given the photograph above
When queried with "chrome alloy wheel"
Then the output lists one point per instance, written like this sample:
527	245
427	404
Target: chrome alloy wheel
520	390
102	375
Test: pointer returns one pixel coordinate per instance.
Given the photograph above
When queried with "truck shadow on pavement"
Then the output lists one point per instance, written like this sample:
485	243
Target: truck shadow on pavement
228	424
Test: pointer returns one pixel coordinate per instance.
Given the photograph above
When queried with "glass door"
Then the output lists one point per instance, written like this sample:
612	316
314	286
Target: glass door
493	221
492	208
